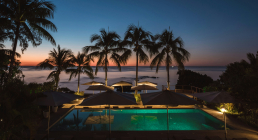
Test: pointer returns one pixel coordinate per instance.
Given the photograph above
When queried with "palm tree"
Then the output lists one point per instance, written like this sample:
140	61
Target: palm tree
106	44
83	62
58	60
170	47
138	38
28	21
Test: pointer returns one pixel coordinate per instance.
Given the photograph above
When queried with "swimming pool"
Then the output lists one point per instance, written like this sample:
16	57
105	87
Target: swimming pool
137	120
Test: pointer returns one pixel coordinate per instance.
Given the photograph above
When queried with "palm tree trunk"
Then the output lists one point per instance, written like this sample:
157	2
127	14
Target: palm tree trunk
106	70
57	79
168	83
14	50
79	82
136	81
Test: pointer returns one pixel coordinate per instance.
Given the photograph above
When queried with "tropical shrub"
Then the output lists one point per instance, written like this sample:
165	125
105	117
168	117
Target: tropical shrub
191	78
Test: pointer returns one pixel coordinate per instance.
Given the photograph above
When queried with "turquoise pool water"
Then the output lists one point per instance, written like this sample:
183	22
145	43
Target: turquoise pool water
137	120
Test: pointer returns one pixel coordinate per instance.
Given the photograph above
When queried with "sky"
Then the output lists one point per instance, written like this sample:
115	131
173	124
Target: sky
216	33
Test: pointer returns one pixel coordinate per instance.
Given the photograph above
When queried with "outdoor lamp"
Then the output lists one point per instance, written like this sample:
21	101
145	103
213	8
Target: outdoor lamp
223	109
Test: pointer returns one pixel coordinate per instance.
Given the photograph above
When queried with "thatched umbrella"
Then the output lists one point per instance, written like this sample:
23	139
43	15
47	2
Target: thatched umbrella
144	87
122	83
147	83
93	83
55	99
100	87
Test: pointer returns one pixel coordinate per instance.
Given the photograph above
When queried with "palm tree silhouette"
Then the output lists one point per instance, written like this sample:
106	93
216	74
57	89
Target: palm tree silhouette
107	43
59	60
28	21
170	47
83	62
138	38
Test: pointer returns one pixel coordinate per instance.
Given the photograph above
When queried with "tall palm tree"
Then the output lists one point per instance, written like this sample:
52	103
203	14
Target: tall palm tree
139	39
28	21
83	66
170	48
106	44
58	60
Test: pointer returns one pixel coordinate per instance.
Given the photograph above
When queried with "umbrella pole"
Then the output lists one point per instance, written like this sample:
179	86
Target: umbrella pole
48	123
122	89
167	123
109	124
225	125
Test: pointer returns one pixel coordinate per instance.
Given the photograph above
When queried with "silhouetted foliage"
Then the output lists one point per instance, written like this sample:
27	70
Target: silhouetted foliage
27	21
171	49
137	39
59	60
83	67
191	78
107	44
19	114
240	79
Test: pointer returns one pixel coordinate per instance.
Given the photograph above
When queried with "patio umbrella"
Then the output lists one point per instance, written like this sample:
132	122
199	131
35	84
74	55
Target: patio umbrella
93	83
147	83
55	99
167	98
109	98
144	87
100	87
122	83
217	97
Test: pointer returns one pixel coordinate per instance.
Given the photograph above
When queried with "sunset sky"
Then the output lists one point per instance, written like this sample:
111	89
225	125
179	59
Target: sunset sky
216	33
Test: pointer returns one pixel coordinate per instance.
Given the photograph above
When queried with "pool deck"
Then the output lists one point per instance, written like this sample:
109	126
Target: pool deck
241	130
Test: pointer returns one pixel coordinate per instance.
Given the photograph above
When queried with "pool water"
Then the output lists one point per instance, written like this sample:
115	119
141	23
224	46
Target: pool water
137	120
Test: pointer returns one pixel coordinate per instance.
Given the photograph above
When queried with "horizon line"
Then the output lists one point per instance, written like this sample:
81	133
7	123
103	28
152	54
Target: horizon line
147	66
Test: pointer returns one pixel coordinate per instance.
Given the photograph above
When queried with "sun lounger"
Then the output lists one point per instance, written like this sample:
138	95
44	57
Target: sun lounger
85	107
115	107
107	107
213	138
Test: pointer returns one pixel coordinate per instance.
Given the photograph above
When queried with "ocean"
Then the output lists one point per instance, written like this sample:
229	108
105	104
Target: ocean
127	74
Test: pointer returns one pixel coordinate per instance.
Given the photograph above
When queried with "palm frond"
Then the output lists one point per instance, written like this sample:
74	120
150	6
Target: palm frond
125	56
72	72
43	33
158	60
115	58
46	64
143	57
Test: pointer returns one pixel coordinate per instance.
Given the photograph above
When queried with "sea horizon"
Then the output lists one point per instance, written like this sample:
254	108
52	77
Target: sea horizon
128	73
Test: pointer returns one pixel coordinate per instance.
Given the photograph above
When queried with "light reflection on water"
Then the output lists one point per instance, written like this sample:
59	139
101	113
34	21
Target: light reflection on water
127	74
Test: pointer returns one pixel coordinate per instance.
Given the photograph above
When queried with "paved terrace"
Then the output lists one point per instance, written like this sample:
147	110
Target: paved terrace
241	130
